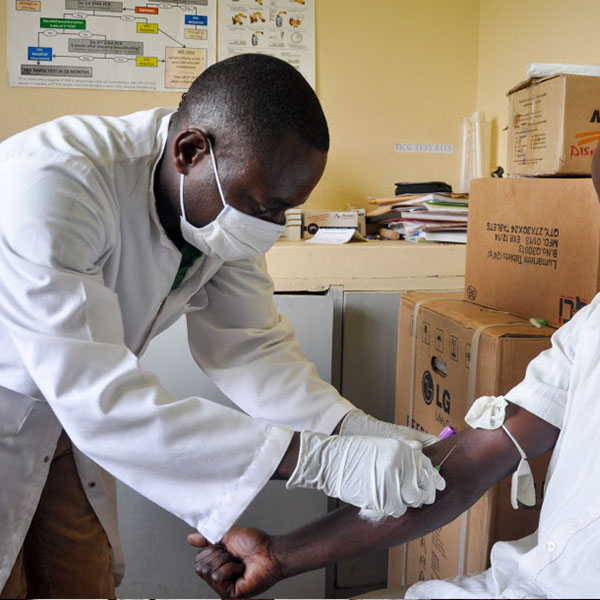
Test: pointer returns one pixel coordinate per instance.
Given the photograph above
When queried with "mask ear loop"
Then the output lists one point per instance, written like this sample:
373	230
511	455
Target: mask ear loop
181	196
214	165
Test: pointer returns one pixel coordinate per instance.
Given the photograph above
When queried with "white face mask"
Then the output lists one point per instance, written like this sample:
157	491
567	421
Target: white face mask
233	235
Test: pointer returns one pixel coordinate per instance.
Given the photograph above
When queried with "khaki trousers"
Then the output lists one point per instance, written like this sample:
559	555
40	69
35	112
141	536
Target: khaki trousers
66	553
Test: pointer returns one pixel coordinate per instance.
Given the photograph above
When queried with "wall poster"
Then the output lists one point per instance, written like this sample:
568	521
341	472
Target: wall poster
107	44
281	28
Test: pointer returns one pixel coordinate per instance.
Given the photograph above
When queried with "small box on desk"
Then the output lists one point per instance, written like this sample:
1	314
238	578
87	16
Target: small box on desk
314	219
453	352
533	246
554	125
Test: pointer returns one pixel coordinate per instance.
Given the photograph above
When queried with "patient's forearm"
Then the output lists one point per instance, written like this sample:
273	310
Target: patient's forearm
480	459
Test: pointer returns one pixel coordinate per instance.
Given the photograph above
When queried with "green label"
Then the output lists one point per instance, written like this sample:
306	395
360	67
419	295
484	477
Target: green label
63	23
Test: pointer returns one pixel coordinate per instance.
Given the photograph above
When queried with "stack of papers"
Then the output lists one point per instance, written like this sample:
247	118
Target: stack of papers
431	217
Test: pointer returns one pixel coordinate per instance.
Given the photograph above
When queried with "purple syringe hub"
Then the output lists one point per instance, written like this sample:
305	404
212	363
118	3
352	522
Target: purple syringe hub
447	432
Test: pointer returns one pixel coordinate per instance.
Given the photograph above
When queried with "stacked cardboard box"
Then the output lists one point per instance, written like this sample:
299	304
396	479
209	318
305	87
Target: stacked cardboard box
554	125
533	251
449	353
534	246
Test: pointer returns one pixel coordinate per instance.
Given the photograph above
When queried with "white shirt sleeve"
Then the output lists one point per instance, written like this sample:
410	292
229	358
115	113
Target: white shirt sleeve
252	355
544	390
198	460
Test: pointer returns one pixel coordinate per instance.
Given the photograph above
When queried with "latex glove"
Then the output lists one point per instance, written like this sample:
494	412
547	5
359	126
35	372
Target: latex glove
382	475
356	422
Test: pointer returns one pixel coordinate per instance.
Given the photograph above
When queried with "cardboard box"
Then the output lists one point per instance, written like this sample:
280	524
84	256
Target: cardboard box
315	219
554	125
293	225
445	351
533	246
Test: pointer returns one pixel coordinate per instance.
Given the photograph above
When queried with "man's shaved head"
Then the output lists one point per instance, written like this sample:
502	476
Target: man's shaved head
255	100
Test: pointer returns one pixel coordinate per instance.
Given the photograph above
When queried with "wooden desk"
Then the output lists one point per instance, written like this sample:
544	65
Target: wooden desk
367	266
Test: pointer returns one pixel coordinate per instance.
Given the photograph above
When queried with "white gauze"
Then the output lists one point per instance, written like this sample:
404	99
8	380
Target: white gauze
488	412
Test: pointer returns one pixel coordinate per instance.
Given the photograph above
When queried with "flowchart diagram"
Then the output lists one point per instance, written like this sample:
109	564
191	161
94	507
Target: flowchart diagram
106	44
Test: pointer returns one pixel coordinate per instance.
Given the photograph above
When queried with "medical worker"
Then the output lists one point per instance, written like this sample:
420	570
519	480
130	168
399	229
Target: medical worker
555	407
110	230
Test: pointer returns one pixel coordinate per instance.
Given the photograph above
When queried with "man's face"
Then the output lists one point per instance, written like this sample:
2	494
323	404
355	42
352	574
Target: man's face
264	189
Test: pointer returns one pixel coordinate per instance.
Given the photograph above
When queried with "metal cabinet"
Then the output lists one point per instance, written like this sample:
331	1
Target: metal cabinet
159	560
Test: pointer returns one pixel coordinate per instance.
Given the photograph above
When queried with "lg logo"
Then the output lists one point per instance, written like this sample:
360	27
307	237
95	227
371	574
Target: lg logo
427	386
431	391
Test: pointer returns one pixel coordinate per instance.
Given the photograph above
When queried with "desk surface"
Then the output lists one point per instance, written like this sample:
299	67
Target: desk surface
376	265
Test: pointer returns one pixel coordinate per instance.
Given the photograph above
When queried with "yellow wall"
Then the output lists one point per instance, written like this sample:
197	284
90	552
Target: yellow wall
388	71
514	33
392	71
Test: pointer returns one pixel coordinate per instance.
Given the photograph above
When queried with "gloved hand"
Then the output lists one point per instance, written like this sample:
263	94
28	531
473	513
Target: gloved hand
356	422
379	474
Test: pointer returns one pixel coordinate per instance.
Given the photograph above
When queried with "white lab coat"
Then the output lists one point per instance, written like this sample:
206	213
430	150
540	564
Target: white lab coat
85	276
562	558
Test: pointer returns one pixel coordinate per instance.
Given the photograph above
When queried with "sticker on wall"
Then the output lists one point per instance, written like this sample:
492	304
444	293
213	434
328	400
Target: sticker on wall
106	44
424	148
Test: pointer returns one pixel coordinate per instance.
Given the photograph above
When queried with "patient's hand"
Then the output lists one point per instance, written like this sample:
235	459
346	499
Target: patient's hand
241	566
248	561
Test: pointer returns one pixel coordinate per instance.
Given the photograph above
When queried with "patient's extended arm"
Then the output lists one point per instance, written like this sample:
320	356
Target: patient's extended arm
249	561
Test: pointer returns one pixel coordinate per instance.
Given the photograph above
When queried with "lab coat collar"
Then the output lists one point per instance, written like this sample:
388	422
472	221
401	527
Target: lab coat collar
162	134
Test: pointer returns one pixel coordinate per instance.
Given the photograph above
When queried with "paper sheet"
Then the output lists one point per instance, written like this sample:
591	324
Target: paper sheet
337	235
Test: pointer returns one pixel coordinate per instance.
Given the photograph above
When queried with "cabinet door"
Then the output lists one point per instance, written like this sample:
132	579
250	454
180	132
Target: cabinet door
370	329
159	561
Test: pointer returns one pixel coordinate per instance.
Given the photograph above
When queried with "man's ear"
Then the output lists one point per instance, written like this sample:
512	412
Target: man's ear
189	148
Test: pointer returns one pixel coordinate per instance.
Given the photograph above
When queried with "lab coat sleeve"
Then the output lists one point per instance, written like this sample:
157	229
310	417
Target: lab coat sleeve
252	355
544	390
198	460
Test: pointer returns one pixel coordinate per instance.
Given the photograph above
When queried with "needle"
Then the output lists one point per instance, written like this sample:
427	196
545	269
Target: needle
438	467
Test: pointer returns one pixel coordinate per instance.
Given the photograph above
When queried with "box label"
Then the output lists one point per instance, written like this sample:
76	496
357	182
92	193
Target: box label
436	396
568	306
530	134
534	245
585	141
